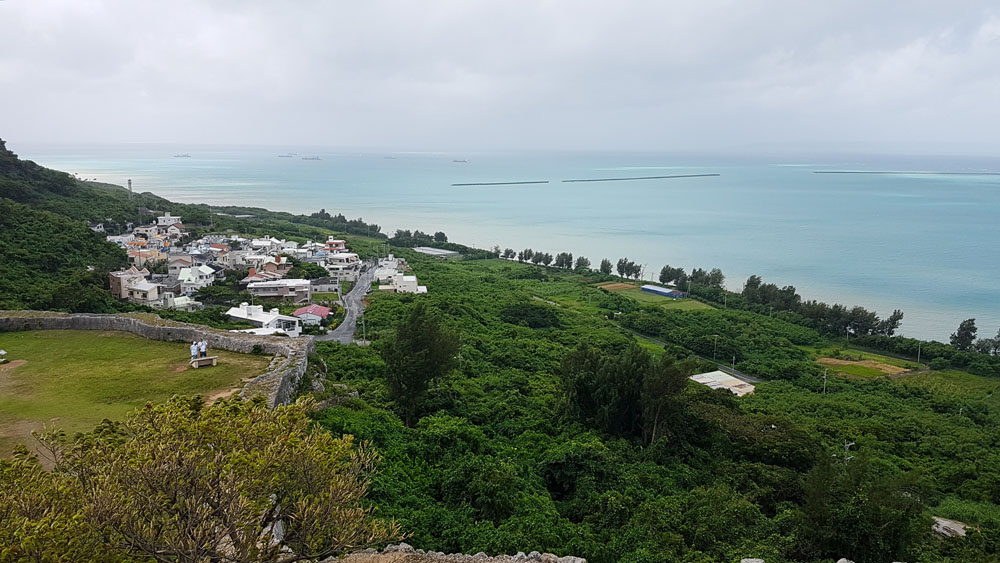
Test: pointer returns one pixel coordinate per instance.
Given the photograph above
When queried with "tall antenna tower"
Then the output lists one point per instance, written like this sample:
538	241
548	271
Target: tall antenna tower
130	188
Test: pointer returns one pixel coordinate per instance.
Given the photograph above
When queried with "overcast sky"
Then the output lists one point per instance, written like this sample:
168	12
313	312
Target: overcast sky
479	75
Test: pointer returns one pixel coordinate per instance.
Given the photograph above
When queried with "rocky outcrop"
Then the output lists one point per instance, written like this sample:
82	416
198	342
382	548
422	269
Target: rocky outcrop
277	384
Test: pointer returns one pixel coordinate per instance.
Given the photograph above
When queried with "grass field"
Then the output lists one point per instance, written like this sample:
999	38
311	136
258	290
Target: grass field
645	297
957	383
74	379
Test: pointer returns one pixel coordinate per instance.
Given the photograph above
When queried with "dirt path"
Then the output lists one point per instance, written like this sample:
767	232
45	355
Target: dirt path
223	394
615	286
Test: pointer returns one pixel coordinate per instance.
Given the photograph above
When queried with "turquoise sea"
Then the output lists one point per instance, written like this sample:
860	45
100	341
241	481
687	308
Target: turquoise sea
920	238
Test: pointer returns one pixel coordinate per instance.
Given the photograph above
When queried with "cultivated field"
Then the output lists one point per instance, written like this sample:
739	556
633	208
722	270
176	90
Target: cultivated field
74	379
859	363
644	297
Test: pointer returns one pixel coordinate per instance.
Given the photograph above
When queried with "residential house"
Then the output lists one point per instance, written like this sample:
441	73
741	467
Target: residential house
144	293
256	275
335	245
120	281
97	227
145	231
276	265
174	232
272	319
312	314
195	278
170	300
121	240
344	266
299	291
325	285
402	283
177	262
141	257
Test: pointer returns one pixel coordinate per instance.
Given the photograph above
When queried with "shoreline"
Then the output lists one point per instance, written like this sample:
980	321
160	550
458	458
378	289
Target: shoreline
872	282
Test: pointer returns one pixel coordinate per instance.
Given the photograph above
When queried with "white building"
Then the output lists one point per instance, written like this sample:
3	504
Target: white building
271	320
167	219
404	284
344	266
295	289
193	279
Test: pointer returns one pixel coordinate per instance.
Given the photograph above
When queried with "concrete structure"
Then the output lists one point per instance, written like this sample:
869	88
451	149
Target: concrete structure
167	219
722	380
266	319
312	314
402	283
300	291
948	528
344	266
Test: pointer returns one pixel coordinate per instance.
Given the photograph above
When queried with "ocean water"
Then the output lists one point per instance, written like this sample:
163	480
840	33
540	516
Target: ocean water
921	238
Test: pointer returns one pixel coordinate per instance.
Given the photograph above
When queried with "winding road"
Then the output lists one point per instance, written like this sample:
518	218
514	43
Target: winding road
353	307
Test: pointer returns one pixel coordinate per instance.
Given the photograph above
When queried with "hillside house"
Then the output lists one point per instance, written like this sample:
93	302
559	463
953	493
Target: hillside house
120	281
312	314
299	291
272	319
195	278
344	266
402	283
335	245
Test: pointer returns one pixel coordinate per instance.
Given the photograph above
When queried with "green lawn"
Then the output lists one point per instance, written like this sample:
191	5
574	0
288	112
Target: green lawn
74	379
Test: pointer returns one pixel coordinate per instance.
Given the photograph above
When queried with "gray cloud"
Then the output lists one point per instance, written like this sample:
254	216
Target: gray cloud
502	74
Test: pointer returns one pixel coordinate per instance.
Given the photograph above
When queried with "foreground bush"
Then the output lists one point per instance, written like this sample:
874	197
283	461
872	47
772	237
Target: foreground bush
183	482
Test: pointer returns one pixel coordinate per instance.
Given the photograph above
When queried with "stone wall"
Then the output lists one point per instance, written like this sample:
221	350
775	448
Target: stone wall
277	385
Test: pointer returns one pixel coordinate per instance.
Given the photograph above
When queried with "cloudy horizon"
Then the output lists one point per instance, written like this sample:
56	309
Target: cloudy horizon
547	75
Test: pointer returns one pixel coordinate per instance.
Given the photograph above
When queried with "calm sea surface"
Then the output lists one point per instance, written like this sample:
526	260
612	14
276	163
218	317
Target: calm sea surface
924	243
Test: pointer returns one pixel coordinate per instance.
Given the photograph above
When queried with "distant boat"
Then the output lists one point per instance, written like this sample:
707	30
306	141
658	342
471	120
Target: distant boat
461	161
311	158
289	155
389	157
185	155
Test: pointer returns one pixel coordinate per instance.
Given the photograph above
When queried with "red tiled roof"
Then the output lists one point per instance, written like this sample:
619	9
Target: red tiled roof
318	310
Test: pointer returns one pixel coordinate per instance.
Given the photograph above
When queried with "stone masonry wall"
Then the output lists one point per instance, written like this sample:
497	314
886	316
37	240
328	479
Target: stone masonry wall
277	385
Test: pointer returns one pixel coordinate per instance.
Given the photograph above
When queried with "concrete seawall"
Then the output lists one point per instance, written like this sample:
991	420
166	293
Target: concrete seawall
277	385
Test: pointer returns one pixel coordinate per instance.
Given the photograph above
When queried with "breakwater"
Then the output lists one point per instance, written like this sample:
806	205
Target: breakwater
277	385
642	178
502	183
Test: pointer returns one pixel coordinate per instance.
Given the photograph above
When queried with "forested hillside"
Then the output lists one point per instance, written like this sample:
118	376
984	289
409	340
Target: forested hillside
557	430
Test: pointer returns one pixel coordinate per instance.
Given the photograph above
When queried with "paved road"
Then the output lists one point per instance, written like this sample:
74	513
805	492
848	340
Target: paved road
353	307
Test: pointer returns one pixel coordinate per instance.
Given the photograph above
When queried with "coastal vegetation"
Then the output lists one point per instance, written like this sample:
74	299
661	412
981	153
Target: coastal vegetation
522	406
235	481
562	435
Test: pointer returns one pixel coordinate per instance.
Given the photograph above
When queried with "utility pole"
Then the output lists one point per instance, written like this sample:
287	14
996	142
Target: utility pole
715	350
824	381
918	351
